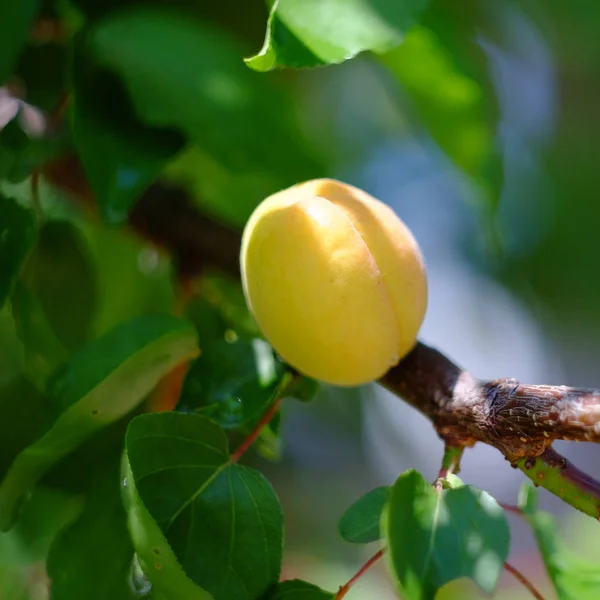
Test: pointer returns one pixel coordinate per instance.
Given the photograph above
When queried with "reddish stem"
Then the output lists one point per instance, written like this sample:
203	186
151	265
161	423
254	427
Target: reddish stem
524	581
243	447
512	509
346	587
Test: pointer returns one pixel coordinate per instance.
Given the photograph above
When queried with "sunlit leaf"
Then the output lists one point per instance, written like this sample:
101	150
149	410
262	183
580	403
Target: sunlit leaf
435	537
227	194
194	81
309	33
573	578
155	556
101	383
222	521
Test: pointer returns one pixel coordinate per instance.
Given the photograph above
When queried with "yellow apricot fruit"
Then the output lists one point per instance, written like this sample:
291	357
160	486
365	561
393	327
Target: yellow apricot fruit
335	281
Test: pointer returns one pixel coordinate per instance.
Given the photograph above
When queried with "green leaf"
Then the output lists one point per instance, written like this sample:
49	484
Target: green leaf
235	380
99	537
45	513
224	192
42	350
222	521
296	589
573	577
16	19
209	323
436	537
76	471
452	481
25	416
61	275
232	382
21	154
303	388
227	297
195	82
444	72
360	523
17	237
133	278
120	155
155	556
309	33
102	382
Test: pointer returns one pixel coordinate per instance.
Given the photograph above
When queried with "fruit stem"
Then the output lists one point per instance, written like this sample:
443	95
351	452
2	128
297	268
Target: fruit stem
264	421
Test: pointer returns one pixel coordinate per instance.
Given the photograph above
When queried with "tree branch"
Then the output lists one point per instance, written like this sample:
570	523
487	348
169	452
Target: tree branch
520	420
164	215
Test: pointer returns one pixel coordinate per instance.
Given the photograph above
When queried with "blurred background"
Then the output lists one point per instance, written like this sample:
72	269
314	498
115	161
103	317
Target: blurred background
512	257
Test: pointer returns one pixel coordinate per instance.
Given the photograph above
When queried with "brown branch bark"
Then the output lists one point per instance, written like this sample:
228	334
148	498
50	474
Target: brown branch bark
165	216
520	420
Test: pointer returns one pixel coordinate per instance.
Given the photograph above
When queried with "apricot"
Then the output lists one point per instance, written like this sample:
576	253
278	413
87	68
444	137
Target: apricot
335	281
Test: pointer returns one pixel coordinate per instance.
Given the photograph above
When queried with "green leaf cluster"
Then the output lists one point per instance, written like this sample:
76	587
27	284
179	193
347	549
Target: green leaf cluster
127	99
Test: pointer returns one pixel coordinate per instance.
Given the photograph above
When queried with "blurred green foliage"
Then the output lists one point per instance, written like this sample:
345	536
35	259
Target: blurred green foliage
101	100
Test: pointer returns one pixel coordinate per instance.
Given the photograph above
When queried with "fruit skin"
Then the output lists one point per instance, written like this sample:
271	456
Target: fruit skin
335	281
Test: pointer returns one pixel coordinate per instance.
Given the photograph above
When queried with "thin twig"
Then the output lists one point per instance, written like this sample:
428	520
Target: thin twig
346	587
524	581
243	447
556	474
506	415
511	508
